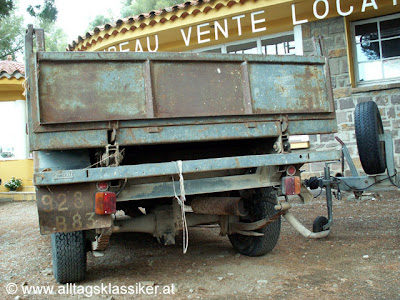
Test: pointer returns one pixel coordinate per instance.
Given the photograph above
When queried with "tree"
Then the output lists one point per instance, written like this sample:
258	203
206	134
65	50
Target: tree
6	6
12	29
55	37
11	35
100	20
132	8
46	12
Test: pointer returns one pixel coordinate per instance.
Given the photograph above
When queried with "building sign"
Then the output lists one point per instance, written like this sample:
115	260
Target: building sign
201	34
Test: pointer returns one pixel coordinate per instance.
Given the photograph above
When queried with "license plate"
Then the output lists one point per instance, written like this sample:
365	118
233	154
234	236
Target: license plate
67	208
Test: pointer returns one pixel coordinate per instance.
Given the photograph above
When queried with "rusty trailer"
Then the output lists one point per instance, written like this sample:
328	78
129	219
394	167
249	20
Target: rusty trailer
171	139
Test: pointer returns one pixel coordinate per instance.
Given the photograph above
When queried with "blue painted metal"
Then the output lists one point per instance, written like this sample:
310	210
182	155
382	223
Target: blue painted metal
170	168
196	133
69	140
134	191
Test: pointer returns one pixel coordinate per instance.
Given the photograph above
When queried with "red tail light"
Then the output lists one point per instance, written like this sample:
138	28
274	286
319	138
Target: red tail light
291	170
105	203
102	186
291	185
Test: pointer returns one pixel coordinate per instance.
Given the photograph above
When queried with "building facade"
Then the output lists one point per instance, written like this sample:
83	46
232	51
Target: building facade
14	155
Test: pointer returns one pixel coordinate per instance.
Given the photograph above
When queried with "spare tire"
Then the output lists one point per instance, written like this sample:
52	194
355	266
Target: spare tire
368	125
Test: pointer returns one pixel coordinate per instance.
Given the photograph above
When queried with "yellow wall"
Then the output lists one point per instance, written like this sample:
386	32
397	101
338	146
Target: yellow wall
11	89
18	168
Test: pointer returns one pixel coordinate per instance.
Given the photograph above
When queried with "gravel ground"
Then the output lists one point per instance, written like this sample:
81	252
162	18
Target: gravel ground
359	260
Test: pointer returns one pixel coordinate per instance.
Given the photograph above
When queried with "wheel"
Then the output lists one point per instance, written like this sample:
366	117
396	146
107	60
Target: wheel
259	207
368	125
69	256
319	223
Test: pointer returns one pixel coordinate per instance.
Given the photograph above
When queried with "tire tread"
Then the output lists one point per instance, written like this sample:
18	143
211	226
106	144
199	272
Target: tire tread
69	256
368	126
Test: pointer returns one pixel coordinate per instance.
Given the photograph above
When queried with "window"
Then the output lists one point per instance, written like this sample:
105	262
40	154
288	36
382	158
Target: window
278	44
377	49
243	48
13	137
7	131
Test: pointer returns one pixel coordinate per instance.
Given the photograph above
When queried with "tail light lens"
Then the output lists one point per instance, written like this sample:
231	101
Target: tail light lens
291	185
102	186
291	170
105	203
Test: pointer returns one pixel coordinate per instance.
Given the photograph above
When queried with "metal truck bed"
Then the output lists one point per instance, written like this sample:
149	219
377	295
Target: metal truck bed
158	98
128	120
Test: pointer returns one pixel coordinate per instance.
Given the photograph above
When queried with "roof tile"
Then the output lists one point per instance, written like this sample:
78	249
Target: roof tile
138	18
9	69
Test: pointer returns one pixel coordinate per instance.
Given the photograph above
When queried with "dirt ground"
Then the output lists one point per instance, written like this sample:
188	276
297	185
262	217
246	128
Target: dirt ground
359	260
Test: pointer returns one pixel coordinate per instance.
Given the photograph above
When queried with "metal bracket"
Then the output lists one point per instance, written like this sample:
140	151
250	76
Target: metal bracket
390	164
40	43
377	182
112	157
319	45
102	239
347	156
327	184
284	124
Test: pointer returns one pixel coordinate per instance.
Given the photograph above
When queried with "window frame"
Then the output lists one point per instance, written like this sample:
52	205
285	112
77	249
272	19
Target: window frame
297	40
356	64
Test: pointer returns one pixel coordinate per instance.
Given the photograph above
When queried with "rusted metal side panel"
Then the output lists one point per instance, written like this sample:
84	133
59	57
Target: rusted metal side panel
67	208
285	88
90	91
193	89
157	98
76	91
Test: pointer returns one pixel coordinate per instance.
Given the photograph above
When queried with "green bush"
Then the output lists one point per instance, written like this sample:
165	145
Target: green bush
13	183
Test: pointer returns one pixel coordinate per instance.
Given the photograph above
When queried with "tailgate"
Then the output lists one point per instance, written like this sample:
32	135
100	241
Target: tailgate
89	87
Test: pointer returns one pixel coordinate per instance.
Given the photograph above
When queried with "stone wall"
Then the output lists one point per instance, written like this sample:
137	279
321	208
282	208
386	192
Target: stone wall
387	96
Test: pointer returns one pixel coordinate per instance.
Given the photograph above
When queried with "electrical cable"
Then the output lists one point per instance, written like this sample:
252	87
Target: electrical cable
391	180
320	192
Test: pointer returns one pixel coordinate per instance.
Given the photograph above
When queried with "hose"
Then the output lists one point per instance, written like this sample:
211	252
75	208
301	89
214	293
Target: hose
304	231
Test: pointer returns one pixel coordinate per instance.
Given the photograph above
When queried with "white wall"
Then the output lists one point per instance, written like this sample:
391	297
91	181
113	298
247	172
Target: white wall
13	127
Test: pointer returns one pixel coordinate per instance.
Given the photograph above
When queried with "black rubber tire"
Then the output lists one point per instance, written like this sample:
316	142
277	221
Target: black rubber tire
368	125
319	223
69	256
259	207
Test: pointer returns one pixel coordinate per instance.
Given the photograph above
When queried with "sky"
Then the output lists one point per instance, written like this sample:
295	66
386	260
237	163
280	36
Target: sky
75	15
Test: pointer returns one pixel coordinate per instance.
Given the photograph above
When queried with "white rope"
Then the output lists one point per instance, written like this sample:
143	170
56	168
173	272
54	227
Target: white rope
110	156
181	200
